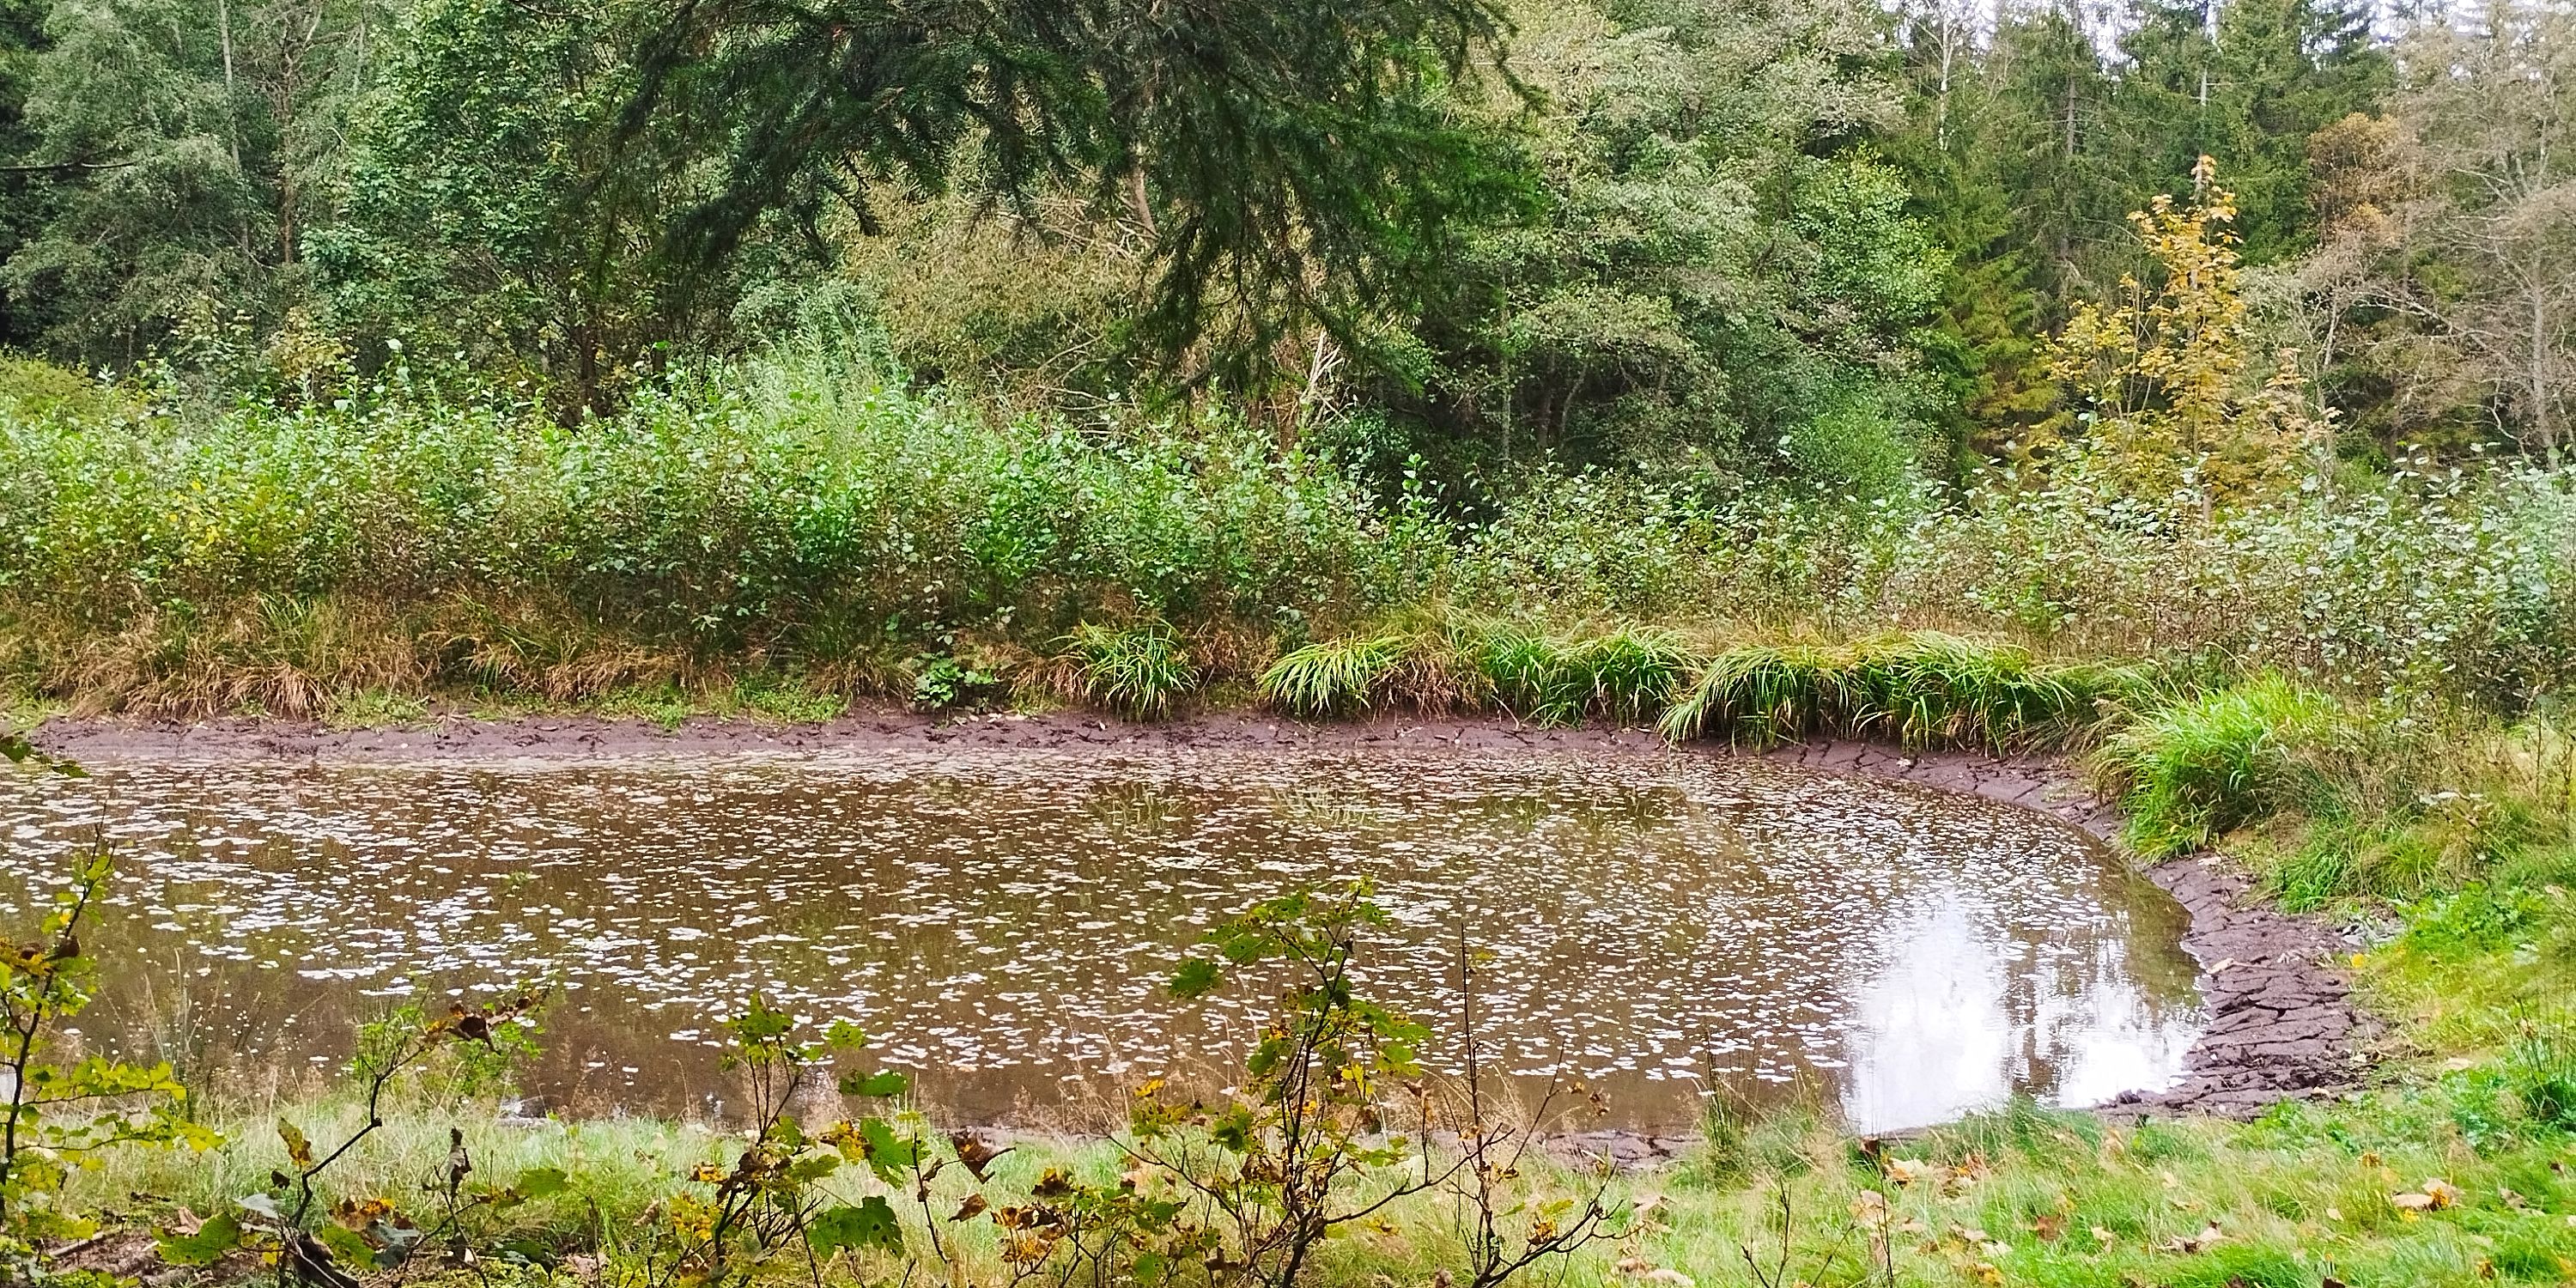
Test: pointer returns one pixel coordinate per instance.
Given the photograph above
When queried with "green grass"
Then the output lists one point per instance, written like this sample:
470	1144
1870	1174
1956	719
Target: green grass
1140	671
2020	1195
1626	675
2187	773
372	708
1923	689
1335	677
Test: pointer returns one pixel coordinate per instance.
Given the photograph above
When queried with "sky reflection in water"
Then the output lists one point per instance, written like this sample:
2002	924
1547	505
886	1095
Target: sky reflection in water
1003	920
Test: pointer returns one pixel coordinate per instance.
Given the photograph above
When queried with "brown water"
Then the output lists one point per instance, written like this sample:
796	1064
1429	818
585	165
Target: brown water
1002	920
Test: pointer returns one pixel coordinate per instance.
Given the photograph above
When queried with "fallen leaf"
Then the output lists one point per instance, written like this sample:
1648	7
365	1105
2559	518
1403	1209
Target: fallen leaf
2512	1200
2105	1235
2209	1234
1648	1272
2411	1202
1906	1171
1869	1208
2334	1214
2445	1194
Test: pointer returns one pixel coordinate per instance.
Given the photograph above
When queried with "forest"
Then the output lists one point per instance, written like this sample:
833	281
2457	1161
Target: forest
2175	395
1708	243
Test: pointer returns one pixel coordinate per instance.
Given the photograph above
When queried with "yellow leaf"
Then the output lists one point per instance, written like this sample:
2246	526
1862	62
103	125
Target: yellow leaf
299	1151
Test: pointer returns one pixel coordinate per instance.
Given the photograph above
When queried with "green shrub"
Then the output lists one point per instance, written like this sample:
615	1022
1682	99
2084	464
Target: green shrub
1139	671
940	680
2189	772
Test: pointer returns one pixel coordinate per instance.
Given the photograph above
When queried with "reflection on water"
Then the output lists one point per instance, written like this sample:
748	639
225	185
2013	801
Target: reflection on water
1002	920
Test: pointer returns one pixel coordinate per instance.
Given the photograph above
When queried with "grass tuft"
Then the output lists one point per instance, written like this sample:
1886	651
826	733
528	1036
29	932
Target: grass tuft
2190	772
1139	671
1336	677
1925	689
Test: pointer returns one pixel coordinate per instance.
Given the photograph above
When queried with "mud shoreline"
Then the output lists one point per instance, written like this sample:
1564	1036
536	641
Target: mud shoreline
2282	1023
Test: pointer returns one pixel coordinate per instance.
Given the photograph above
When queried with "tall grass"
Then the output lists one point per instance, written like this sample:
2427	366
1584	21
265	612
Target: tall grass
1923	689
1626	675
2186	773
1335	677
1140	671
788	513
781	513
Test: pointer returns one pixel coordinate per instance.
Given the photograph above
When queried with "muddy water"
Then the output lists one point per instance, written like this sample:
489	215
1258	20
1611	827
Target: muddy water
1002	920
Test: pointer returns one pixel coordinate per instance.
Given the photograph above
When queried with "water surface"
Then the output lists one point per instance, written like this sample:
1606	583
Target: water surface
1002	920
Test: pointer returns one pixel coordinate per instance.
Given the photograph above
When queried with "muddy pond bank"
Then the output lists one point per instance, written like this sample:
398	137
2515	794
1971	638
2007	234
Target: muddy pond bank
2278	1021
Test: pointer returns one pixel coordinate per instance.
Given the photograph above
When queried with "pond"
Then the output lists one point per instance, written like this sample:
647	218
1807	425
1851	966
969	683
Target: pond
1002	920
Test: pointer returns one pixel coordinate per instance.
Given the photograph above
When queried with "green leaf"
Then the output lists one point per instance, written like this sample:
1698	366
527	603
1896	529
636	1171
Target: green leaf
219	1235
347	1246
885	1082
1195	977
889	1155
869	1225
538	1182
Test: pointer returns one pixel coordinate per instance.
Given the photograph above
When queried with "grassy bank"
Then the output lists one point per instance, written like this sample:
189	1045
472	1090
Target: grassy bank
2018	1196
788	527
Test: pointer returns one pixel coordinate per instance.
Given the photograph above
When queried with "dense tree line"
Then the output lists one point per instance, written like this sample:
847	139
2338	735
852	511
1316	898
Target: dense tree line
1729	236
